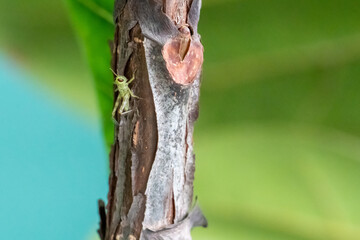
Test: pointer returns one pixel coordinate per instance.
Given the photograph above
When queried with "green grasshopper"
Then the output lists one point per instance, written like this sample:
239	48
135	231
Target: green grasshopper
122	86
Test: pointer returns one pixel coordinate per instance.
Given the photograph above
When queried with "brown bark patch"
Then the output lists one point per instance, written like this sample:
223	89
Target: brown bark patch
136	134
183	70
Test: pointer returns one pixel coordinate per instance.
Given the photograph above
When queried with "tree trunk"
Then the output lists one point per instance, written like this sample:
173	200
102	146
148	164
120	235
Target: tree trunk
151	161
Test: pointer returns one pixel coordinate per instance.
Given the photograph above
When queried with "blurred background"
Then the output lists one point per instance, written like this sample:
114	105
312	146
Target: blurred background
277	142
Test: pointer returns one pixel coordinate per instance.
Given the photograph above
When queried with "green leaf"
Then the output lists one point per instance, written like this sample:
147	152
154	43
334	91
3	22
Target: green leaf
93	23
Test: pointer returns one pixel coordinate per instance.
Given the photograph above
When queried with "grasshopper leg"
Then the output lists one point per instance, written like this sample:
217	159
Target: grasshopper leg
118	99
124	104
132	79
133	95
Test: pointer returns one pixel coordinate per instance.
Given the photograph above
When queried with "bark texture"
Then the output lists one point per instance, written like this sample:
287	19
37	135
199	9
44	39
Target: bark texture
151	161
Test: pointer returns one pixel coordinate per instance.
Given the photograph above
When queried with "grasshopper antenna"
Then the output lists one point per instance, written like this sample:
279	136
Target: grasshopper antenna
113	72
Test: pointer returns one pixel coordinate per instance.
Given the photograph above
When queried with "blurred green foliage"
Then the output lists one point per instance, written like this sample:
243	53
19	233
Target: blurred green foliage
38	36
278	137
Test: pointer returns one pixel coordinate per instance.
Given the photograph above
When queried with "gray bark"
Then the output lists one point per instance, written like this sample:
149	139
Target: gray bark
152	162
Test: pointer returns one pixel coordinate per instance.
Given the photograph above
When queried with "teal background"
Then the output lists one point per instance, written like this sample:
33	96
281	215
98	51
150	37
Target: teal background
53	164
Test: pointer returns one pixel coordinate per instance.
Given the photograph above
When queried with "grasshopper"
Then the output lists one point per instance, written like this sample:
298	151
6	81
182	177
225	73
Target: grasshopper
122	87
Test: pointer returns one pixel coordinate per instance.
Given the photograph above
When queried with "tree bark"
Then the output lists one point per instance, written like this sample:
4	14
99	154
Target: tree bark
151	161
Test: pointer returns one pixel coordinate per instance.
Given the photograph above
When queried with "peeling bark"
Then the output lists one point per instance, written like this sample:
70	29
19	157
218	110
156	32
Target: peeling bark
151	161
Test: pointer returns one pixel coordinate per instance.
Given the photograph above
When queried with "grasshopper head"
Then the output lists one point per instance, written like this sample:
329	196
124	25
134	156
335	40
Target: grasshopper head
121	82
121	79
